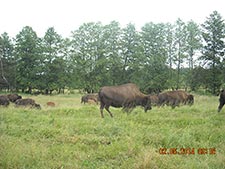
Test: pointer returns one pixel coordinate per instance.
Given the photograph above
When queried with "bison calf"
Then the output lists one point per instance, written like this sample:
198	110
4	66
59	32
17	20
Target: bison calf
221	100
27	103
50	104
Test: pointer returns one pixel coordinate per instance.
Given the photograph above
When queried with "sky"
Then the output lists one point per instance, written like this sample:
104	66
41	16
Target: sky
67	15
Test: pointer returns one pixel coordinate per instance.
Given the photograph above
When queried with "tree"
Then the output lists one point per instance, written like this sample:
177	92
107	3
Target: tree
180	39
28	58
7	62
170	54
87	56
154	61
112	52
193	46
193	42
54	66
131	55
213	32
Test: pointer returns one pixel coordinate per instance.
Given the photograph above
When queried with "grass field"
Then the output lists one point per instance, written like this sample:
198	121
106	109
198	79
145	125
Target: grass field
74	136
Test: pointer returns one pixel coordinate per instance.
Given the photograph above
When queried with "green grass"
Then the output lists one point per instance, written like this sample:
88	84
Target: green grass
72	135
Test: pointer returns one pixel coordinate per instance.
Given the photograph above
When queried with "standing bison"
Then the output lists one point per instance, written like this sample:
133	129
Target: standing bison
175	98
27	103
127	96
222	100
4	101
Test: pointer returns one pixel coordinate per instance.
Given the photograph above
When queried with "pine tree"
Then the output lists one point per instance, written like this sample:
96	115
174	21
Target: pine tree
213	32
193	46
7	62
28	59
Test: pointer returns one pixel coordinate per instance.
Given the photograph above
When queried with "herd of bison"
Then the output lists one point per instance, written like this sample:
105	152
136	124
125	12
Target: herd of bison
18	101
127	96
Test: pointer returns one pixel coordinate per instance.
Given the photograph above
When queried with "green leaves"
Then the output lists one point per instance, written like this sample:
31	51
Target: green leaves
28	55
7	61
159	56
213	32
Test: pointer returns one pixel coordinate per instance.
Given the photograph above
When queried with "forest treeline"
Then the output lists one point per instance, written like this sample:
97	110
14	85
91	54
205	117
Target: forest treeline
157	57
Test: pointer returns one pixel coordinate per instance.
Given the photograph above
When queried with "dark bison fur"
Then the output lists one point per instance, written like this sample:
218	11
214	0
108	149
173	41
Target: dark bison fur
4	101
221	100
127	96
13	97
93	97
175	98
154	99
27	103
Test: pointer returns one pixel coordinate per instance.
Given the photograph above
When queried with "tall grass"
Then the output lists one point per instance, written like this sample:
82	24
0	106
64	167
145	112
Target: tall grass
72	135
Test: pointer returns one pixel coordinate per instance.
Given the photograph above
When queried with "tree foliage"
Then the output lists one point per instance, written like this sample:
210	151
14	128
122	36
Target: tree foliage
157	57
28	57
54	65
7	62
213	32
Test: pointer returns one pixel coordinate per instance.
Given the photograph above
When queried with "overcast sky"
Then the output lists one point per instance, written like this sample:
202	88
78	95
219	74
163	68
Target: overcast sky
67	15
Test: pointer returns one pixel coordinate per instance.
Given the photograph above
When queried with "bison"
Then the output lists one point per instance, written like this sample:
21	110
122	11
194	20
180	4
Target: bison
94	97
27	103
190	99
127	96
175	98
154	99
13	97
50	104
222	100
4	101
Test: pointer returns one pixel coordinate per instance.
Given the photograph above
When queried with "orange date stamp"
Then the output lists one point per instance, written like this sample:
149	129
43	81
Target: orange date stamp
187	151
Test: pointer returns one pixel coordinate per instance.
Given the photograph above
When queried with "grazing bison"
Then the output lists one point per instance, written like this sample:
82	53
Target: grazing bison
90	101
93	97
4	101
175	98
27	103
14	97
222	100
190	99
154	99
127	96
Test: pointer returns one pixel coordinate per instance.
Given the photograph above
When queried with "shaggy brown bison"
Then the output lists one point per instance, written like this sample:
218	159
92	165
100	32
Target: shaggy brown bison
175	98
14	97
90	101
27	103
87	97
154	99
222	100
127	96
4	101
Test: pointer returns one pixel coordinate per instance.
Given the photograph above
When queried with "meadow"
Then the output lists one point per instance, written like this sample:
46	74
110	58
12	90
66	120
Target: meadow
74	136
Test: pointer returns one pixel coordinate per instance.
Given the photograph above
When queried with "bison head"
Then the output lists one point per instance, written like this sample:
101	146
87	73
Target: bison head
147	103
37	106
190	99
221	100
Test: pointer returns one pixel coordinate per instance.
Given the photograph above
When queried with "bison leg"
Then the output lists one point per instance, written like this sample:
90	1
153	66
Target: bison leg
220	106
107	108
102	106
